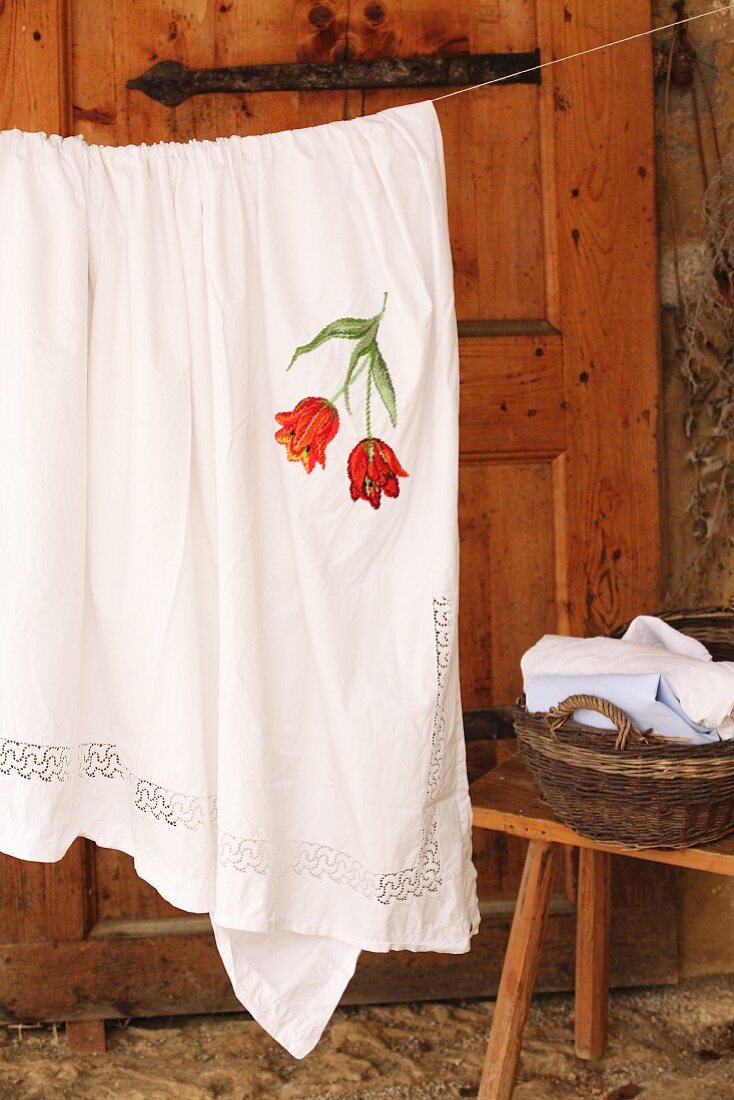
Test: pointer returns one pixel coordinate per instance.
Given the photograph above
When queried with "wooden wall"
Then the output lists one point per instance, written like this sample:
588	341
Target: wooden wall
551	202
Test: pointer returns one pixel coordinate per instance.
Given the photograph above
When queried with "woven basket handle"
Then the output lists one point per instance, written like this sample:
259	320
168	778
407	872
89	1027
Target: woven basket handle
557	716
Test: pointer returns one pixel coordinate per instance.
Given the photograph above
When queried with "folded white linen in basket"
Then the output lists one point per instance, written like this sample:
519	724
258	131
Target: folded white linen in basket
661	678
645	699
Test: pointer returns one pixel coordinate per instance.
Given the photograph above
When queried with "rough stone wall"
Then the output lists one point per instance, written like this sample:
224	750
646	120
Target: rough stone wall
706	908
714	41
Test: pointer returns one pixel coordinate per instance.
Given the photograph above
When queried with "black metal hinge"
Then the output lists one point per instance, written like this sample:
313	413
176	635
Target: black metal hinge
171	82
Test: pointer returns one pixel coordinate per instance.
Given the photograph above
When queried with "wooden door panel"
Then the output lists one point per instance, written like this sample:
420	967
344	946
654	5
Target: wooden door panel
43	902
512	398
504	135
121	895
507	580
551	202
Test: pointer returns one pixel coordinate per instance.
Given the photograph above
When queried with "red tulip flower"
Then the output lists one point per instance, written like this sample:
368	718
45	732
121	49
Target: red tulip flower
373	470
306	431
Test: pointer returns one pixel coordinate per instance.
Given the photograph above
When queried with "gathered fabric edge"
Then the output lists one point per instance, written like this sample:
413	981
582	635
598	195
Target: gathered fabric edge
60	141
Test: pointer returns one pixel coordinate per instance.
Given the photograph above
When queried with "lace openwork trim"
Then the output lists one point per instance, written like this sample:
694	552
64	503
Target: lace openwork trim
95	759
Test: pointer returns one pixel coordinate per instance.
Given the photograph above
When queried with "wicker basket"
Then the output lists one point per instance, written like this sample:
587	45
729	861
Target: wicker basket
630	790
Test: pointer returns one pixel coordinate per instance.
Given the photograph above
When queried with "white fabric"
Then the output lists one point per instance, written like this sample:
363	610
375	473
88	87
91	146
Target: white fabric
651	631
210	658
289	982
703	689
644	698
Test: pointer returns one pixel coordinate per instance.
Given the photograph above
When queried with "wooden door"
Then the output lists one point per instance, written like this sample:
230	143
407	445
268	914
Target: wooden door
551	195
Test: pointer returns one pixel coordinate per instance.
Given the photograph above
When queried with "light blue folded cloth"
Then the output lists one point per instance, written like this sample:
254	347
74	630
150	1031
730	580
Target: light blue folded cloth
645	698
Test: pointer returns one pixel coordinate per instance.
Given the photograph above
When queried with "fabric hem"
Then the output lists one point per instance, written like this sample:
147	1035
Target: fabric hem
176	891
449	946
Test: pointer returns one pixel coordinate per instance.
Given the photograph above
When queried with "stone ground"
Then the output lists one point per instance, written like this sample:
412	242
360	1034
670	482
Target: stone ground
665	1044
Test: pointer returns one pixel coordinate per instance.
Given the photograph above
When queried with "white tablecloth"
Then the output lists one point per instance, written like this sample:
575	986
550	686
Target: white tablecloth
228	587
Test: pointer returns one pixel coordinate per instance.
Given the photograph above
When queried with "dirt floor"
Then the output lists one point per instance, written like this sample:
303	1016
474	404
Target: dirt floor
667	1044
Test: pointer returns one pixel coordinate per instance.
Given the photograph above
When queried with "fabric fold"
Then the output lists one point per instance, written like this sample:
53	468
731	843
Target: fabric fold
691	690
290	983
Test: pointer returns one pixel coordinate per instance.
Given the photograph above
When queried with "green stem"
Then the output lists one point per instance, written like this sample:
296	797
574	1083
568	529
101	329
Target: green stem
377	318
340	391
368	407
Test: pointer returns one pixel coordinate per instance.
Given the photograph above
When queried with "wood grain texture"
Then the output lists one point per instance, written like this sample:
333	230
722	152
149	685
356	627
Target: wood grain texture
507	594
518	974
121	895
86	1036
507	800
492	137
45	901
508	188
499	858
177	974
494	197
35	49
593	922
97	105
506	24
550	202
603	157
512	398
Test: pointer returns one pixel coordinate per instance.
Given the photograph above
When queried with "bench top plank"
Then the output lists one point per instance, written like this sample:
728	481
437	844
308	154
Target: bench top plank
507	800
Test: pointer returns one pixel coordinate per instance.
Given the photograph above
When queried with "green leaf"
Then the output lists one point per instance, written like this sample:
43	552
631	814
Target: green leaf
345	328
383	385
365	346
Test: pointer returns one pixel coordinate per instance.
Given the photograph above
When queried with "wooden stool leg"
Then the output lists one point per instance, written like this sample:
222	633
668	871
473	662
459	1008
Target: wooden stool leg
86	1036
518	973
593	909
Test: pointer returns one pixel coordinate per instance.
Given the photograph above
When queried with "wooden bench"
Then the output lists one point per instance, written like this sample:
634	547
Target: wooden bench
507	801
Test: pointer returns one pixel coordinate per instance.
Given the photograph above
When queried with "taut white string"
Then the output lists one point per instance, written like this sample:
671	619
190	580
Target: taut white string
583	53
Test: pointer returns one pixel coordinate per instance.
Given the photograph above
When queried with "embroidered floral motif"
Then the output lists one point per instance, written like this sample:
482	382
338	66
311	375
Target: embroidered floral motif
373	470
305	432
